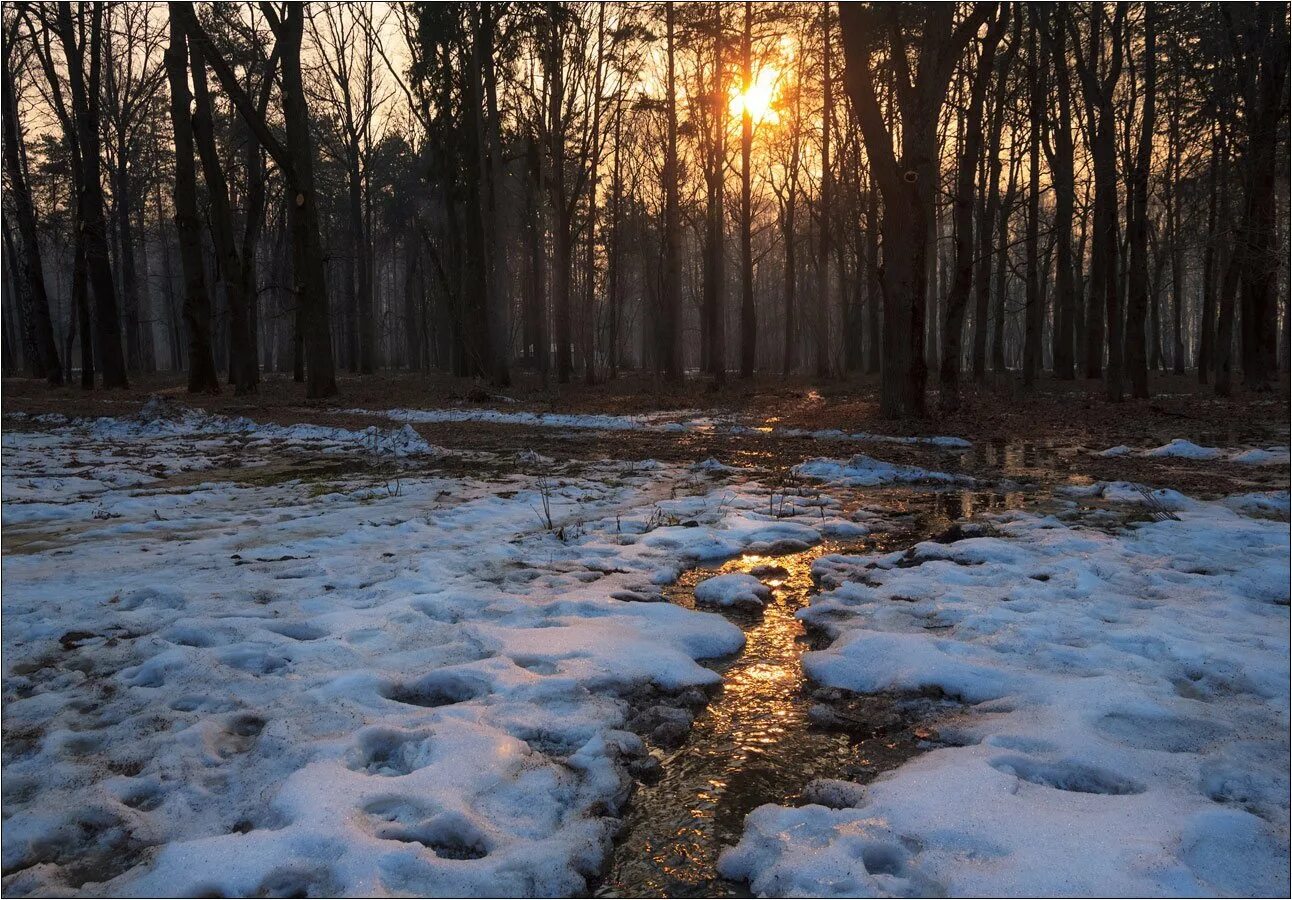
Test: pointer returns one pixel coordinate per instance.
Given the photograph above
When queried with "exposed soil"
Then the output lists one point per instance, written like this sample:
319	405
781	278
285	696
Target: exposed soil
1052	430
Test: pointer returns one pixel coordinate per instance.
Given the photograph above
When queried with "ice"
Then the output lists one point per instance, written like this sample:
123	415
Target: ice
1125	728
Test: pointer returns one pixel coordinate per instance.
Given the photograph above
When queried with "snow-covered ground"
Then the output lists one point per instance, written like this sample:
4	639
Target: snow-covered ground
1179	448
225	677
678	422
411	685
1127	727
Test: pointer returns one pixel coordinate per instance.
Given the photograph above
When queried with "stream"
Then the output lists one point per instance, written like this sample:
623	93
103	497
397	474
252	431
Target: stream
757	742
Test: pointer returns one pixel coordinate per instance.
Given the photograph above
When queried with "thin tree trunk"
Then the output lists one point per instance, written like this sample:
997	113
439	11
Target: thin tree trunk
748	315
1137	294
1034	313
962	221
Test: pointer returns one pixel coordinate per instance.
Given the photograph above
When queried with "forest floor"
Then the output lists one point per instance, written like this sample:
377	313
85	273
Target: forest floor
420	640
1056	430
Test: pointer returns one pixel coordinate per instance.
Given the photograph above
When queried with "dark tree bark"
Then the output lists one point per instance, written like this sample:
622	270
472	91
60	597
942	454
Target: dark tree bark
1034	309
84	86
668	353
907	180
1002	272
714	332
1059	155
562	224
202	377
990	207
1099	83
748	314
496	324
295	157
242	359
1207	325
822	330
962	218
1258	35
874	282
28	268
1137	218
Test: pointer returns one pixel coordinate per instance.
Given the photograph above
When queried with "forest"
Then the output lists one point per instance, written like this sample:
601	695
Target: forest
932	192
645	449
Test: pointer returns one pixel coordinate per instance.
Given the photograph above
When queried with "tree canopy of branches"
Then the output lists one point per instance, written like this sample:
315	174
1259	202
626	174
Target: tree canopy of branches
558	190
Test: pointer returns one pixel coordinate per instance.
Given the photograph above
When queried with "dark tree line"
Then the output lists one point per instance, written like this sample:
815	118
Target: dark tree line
1091	190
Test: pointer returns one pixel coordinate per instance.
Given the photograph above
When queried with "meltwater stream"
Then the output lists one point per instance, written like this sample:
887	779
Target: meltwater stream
756	742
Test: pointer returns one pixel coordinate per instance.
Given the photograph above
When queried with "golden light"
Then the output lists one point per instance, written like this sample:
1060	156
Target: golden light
758	99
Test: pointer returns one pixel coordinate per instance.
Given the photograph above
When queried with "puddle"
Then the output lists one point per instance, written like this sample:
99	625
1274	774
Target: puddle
757	742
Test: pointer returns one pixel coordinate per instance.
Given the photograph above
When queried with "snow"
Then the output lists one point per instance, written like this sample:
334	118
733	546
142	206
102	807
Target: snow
735	589
342	684
1184	450
1179	448
364	683
1125	729
865	471
682	421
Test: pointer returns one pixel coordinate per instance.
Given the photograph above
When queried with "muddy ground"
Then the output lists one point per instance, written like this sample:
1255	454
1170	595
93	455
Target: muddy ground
1047	434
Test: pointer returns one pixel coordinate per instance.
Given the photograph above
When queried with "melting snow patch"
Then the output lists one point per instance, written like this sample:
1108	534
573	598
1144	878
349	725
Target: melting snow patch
735	589
685	421
239	689
1128	734
1179	448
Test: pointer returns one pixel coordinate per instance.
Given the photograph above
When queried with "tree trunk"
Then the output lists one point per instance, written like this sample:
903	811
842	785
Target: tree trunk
85	97
1034	311
822	330
1137	295
242	359
748	320
962	221
668	352
28	268
1060	157
202	377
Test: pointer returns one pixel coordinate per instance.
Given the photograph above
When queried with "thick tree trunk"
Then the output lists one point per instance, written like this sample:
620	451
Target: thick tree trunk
123	203
28	267
562	238
1224	363
242	358
874	283
1060	157
907	181
202	377
496	320
85	105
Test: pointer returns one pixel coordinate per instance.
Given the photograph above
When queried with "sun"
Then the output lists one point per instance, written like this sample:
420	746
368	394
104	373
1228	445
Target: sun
759	99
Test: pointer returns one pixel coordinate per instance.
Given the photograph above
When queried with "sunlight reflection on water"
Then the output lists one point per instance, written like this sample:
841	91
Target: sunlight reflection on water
755	742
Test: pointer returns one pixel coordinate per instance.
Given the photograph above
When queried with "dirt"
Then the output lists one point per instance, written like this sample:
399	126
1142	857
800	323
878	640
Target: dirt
1045	434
